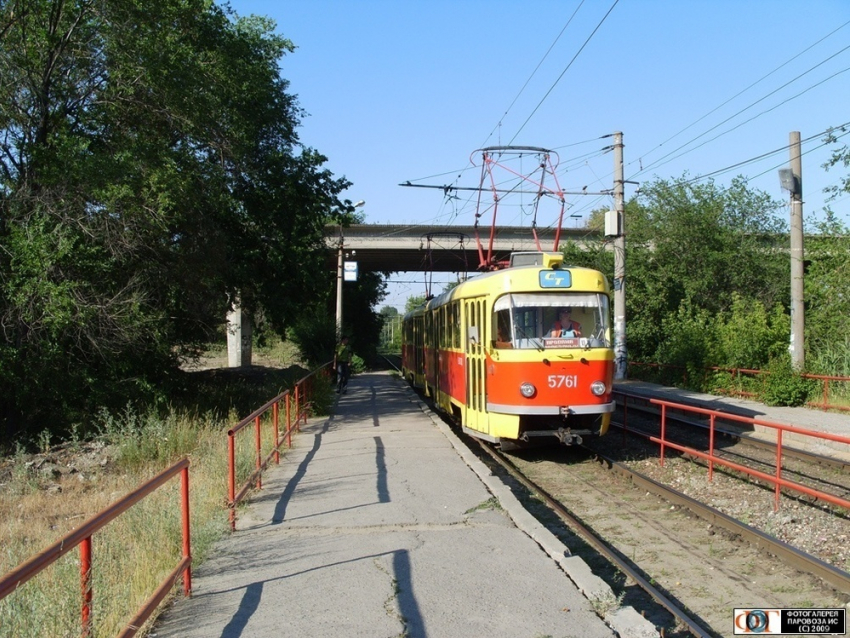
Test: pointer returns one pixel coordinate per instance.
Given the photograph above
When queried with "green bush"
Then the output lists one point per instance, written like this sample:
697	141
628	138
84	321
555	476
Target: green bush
686	346
720	382
357	364
748	335
783	385
315	335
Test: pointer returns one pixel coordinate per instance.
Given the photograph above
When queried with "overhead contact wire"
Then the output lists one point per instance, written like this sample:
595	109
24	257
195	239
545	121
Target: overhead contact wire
605	17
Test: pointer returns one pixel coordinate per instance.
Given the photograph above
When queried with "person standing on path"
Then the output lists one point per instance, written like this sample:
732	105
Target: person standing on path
342	364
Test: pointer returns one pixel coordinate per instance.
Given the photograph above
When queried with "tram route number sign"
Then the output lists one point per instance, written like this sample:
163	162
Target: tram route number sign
790	622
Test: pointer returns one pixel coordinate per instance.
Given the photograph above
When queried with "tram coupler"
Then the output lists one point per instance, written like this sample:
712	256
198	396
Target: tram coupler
565	436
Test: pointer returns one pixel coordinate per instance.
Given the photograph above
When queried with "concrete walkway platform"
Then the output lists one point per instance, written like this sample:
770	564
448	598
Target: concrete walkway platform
379	523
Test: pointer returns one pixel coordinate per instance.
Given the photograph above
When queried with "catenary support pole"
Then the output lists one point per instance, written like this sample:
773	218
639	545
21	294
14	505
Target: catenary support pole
797	346
339	287
620	355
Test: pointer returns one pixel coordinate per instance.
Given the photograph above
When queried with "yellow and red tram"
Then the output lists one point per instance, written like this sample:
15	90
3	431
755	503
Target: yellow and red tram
493	353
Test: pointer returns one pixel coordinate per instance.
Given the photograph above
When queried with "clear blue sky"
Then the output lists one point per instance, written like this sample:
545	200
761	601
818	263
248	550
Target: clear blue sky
399	90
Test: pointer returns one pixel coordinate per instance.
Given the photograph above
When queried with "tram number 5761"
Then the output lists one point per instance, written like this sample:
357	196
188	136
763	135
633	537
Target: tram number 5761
563	380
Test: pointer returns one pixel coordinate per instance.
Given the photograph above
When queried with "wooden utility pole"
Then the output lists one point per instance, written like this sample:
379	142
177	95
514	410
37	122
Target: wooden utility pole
797	346
620	355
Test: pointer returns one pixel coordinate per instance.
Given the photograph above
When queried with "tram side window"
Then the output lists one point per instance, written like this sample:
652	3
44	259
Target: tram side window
454	318
502	333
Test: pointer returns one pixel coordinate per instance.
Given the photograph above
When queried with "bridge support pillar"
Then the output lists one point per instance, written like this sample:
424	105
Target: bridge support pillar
239	333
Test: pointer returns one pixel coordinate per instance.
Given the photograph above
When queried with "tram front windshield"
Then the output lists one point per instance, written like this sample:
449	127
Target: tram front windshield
551	320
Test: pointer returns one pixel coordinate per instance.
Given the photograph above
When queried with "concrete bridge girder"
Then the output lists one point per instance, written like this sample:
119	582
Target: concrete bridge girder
405	248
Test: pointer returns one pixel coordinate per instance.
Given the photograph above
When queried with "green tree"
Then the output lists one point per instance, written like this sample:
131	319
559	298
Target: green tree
698	244
414	302
827	297
362	322
150	173
827	285
391	334
840	157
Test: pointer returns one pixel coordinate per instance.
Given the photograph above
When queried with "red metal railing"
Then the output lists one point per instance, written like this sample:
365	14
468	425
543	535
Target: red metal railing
82	537
776	479
738	373
297	404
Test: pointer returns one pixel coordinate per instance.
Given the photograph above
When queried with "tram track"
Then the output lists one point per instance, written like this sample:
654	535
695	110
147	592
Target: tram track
735	435
792	556
807	521
816	471
609	552
671	546
692	562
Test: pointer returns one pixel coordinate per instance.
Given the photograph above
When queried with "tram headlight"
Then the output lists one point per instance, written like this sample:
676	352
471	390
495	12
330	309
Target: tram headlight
527	390
598	388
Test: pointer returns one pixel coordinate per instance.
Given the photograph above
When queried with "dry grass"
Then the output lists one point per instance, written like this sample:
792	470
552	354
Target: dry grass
43	497
130	556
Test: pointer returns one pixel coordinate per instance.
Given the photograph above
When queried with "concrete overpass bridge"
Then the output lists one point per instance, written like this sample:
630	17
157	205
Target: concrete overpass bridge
407	248
418	248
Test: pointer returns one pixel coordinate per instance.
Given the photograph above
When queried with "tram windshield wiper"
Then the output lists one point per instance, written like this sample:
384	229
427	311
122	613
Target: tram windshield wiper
522	333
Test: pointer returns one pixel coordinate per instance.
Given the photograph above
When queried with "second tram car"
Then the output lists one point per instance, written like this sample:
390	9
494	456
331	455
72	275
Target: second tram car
501	354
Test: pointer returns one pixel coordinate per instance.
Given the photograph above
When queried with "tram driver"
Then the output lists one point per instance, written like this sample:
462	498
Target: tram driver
503	331
564	326
503	339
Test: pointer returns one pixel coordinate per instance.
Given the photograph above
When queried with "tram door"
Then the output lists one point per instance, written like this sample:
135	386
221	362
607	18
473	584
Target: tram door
474	327
433	365
418	350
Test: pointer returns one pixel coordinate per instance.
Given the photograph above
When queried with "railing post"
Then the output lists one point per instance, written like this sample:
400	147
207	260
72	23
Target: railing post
187	536
275	418
231	478
663	432
711	447
288	421
778	490
85	584
297	408
259	454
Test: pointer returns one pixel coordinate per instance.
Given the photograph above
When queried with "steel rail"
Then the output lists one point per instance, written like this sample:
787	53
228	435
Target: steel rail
790	555
619	561
613	556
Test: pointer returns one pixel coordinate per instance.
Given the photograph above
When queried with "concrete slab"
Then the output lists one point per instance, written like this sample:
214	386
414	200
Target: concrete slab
375	525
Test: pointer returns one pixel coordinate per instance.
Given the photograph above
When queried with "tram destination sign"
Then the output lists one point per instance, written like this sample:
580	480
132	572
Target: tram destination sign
790	622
